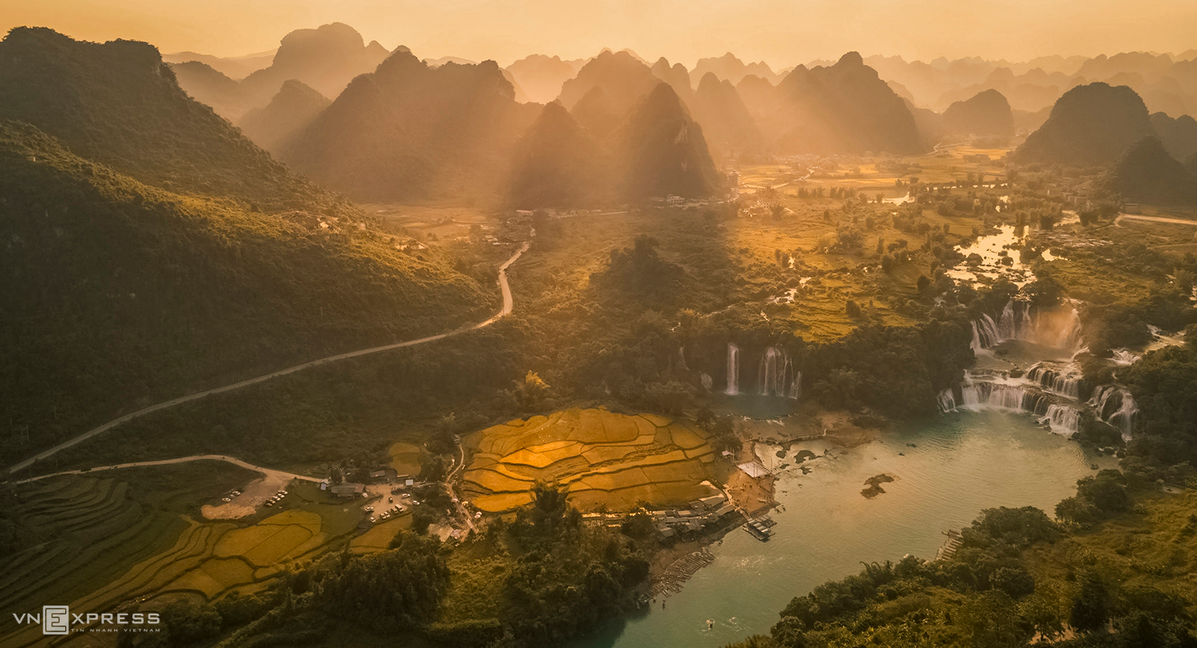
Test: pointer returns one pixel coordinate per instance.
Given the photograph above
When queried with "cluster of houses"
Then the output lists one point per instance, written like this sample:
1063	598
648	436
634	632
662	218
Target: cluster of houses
349	490
697	515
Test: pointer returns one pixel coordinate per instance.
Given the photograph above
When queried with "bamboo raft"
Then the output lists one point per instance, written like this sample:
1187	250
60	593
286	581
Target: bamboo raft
676	575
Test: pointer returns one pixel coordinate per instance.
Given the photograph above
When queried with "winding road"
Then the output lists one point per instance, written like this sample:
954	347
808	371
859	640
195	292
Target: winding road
508	305
449	479
269	472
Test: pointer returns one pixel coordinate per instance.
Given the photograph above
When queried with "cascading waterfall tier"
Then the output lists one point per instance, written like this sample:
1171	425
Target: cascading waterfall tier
777	376
1115	405
733	369
1060	380
1019	320
995	391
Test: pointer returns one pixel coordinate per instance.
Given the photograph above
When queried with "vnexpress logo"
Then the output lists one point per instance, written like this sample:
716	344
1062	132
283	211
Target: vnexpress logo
56	619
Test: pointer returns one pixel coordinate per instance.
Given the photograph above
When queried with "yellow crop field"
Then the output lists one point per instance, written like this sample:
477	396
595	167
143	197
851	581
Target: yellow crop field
277	546
497	482
602	454
306	519
502	502
686	437
405	458
604	458
239	541
380	535
229	572
196	580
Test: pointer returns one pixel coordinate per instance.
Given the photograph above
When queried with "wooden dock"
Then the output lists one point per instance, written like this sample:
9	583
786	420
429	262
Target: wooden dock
948	550
760	528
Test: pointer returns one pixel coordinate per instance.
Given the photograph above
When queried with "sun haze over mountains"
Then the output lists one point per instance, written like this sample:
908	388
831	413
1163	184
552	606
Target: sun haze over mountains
773	30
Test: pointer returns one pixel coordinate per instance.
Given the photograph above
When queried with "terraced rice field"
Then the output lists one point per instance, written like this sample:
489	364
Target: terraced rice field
605	459
98	542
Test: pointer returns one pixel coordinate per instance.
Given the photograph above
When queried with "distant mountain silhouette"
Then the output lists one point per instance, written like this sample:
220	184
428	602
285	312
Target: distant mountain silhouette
661	150
1090	125
623	77
558	164
1147	173
1029	122
657	150
843	108
987	114
759	96
541	76
730	68
117	103
292	109
209	87
726	122
236	67
596	113
326	59
408	131
677	77
1178	135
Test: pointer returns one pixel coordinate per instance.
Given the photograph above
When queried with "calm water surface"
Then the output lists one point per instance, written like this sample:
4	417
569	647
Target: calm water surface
961	463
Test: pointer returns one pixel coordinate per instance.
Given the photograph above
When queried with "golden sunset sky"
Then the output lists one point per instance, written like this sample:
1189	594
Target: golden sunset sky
781	32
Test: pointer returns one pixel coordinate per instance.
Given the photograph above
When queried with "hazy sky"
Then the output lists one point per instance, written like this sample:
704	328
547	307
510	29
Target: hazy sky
782	32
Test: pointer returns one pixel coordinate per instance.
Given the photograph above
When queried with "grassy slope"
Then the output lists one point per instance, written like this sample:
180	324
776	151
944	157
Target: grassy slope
118	295
118	104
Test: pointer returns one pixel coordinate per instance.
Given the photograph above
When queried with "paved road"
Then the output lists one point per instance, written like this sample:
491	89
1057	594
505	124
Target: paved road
269	472
1155	219
508	305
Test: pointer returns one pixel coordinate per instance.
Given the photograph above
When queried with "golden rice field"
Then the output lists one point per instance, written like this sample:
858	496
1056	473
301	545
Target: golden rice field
105	541
405	458
605	459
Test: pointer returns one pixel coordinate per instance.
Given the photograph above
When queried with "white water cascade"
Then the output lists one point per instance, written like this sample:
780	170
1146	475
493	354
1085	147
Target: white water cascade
1062	381
1054	328
1115	405
985	333
777	376
733	369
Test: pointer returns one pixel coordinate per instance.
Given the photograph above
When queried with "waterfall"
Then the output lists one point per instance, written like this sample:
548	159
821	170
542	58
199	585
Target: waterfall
1007	326
772	372
733	369
1127	412
1017	323
681	359
1063	382
1124	357
1062	419
985	333
946	401
776	376
1115	405
707	381
996	395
